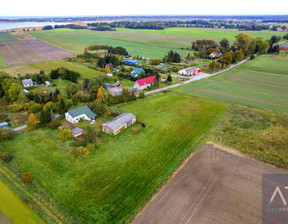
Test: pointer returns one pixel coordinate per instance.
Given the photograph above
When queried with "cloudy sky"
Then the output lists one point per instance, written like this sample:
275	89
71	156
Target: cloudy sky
146	7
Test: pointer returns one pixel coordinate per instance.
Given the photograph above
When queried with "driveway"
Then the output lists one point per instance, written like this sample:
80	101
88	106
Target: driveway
19	128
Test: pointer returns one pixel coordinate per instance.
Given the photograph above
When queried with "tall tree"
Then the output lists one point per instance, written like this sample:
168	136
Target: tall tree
32	122
100	94
62	108
169	78
242	41
224	43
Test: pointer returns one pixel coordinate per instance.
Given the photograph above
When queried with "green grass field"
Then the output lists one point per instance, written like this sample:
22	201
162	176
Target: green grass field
14	210
111	183
147	43
7	37
2	62
86	72
262	82
20	70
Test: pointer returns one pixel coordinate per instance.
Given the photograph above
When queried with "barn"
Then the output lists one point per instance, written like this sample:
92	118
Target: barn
119	123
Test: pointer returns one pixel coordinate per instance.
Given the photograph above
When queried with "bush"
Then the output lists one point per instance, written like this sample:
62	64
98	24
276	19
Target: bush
35	108
114	112
54	124
252	57
135	131
27	177
8	133
7	157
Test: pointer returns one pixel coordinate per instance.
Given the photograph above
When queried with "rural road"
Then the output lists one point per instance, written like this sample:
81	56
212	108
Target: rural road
19	128
198	77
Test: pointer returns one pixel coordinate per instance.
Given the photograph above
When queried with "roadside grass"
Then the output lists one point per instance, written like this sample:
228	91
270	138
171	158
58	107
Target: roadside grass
18	119
19	70
135	43
14	209
262	82
257	132
6	37
86	72
111	183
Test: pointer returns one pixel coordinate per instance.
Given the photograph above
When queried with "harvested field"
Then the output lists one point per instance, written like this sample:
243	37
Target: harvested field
214	186
30	51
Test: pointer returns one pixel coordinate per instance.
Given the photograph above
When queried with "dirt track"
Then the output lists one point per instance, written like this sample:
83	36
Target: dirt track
214	186
30	51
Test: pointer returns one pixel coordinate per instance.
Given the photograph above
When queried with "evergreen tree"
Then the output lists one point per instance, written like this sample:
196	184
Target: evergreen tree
62	107
169	78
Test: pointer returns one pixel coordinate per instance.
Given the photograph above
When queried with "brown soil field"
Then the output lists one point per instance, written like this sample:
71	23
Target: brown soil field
30	51
216	185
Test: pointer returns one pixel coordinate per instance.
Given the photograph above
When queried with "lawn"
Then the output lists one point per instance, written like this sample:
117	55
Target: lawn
262	82
21	70
111	183
86	72
147	45
14	210
6	37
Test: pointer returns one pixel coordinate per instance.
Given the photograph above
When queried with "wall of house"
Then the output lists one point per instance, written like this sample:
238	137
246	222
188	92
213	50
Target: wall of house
76	119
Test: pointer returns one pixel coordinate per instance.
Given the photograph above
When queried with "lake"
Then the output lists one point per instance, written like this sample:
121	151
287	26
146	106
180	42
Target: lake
8	26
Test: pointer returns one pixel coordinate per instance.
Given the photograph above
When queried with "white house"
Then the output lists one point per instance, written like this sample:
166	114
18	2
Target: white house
144	83
83	112
189	71
27	82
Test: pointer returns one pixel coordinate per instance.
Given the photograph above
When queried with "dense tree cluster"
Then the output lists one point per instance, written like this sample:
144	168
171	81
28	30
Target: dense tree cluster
65	73
172	56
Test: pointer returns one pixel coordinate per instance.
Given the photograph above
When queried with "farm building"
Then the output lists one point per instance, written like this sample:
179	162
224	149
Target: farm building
215	54
144	83
75	131
131	62
3	125
83	112
189	71
137	71
27	82
113	85
119	123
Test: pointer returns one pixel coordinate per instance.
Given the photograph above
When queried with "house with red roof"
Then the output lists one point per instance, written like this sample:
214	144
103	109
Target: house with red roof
189	71
215	54
144	83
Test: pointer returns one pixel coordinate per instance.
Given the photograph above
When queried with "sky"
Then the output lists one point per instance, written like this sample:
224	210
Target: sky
146	7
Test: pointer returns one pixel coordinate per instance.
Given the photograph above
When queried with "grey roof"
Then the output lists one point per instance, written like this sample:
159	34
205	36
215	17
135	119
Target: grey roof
27	82
76	131
119	121
82	110
3	124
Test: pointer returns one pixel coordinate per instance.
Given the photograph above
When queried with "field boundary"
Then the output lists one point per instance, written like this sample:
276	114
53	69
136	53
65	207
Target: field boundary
45	208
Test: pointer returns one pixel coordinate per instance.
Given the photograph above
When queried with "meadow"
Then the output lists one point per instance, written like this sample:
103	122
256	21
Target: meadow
111	183
6	37
147	43
13	210
2	62
262	82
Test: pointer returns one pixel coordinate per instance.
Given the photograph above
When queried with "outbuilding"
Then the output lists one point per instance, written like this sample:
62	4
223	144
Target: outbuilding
75	131
83	112
119	123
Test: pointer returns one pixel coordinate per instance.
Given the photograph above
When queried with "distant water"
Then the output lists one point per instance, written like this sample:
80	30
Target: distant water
8	26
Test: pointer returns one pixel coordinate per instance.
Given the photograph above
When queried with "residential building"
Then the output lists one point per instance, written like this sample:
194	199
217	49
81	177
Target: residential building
113	85
27	82
83	112
137	71
144	83
215	54
119	123
4	125
75	131
131	62
189	71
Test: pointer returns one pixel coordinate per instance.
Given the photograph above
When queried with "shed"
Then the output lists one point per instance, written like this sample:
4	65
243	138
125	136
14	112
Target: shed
119	123
75	131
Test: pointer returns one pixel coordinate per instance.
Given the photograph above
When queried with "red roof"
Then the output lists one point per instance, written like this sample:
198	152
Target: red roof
146	81
191	69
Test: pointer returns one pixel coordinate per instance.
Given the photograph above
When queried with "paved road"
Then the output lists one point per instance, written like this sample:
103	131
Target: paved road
198	77
19	128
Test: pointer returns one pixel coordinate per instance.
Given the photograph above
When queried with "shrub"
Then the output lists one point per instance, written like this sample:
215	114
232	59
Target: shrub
55	123
8	133
35	108
27	177
65	133
7	157
135	131
252	57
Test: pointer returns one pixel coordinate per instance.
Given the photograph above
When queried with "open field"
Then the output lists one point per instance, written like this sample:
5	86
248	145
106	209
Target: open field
262	82
136	44
20	70
2	62
13	210
86	72
214	186
111	183
30	51
6	37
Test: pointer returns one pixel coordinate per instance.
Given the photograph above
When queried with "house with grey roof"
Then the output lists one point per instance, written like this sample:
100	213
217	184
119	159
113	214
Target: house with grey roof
27	82
4	125
75	131
119	123
83	112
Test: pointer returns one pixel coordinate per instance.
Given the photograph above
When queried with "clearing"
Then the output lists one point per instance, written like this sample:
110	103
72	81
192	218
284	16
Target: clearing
214	186
262	82
111	183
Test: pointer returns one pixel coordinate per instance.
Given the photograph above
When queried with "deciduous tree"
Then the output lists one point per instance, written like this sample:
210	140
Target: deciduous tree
32	122
65	133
